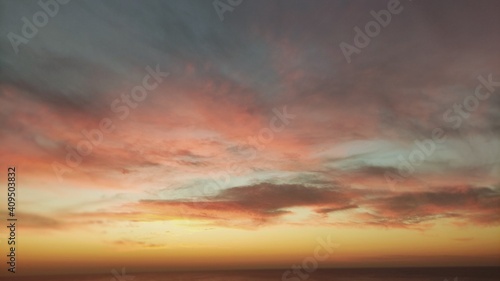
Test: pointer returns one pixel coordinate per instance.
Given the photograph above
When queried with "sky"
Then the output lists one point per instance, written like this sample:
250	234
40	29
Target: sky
161	135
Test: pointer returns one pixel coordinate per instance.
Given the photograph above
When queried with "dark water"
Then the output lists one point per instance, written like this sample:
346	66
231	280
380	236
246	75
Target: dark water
413	274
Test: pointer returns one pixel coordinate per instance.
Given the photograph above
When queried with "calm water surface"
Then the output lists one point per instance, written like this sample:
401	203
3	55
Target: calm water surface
413	274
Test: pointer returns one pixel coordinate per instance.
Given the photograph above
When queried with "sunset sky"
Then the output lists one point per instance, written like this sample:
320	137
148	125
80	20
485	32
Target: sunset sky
255	135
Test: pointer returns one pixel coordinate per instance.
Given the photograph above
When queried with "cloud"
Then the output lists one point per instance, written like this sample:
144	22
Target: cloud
352	120
132	244
264	204
36	221
258	203
465	203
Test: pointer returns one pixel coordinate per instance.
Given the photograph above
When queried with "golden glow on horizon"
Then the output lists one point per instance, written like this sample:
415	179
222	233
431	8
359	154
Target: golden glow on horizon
273	246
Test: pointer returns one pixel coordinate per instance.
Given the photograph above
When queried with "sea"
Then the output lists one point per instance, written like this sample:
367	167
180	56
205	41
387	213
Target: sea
367	274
